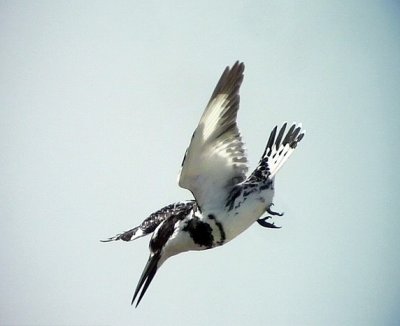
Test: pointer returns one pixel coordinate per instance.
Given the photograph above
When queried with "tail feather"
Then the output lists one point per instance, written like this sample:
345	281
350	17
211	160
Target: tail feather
279	148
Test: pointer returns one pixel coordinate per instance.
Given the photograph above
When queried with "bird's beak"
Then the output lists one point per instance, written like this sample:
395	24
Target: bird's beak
147	276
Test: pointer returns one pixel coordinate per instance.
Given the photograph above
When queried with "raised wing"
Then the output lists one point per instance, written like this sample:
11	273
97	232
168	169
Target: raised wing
215	160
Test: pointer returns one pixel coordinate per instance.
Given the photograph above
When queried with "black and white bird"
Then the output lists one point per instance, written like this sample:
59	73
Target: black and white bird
226	200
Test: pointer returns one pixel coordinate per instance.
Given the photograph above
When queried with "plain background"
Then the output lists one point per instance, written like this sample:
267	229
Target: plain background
98	101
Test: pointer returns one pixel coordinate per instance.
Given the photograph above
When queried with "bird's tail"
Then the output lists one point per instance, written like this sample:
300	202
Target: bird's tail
279	148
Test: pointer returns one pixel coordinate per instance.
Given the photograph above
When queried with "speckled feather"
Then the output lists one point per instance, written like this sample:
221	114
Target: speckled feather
214	169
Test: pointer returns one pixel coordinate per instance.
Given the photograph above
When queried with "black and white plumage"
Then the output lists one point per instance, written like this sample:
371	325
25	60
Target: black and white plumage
214	169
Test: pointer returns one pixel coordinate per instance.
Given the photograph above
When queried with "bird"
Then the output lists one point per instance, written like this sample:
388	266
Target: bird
226	200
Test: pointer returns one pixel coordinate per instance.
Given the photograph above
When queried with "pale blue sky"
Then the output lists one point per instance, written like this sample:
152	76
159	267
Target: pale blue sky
98	101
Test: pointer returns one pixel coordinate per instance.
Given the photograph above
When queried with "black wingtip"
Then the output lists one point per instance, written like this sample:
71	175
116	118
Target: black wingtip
147	276
230	81
115	238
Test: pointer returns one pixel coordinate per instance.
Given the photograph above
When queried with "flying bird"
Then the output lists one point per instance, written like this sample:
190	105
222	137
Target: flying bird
214	169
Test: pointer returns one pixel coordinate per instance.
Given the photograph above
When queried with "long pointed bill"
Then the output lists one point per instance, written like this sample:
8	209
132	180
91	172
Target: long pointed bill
147	276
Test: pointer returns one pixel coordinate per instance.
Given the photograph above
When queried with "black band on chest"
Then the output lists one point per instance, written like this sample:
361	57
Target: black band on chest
200	232
220	228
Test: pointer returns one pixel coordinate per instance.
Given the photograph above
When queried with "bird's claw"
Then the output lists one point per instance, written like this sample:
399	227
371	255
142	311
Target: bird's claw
270	211
263	222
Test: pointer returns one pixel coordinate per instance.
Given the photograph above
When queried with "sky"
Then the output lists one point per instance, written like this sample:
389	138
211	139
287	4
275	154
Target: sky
98	101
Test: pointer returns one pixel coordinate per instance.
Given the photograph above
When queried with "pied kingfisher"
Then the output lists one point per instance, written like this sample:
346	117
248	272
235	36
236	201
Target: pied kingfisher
214	168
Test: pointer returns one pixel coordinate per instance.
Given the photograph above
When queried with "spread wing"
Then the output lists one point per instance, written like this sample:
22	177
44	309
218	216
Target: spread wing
153	221
215	160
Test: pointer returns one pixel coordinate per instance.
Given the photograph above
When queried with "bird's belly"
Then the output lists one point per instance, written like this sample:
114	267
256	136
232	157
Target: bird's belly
244	216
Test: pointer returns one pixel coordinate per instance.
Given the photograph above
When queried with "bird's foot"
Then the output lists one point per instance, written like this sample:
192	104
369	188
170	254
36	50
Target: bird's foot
270	211
263	222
